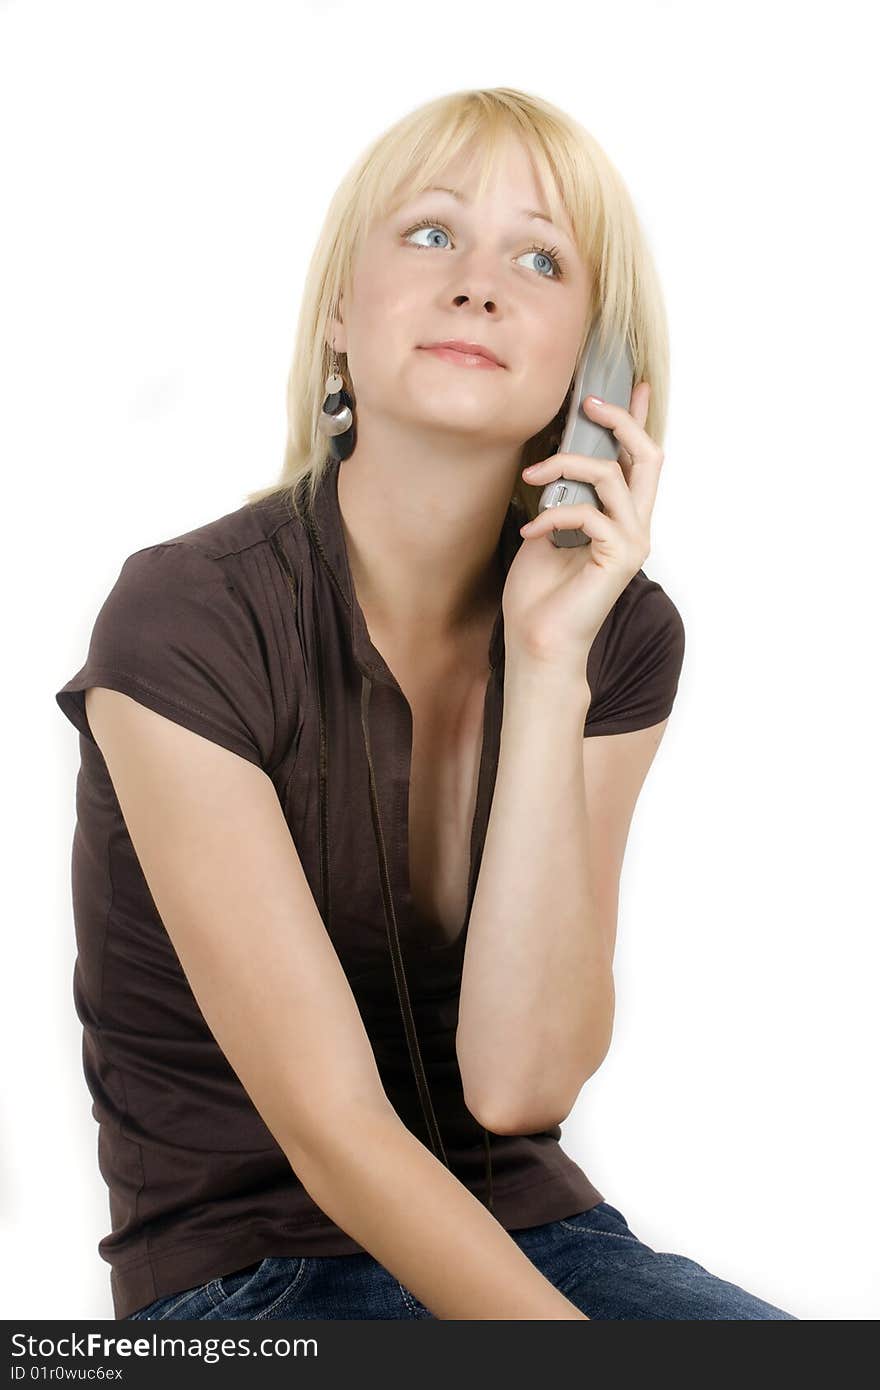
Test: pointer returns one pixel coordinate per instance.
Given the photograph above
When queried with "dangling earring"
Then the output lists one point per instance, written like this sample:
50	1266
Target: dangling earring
336	419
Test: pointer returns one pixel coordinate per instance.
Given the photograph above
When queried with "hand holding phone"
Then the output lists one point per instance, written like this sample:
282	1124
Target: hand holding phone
555	610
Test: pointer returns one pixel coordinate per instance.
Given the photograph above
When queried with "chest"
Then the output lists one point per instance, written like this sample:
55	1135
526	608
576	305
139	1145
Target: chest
444	777
447	703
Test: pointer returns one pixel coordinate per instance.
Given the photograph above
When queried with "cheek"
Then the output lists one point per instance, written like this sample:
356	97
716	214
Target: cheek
560	356
556	354
370	285
386	317
382	337
560	344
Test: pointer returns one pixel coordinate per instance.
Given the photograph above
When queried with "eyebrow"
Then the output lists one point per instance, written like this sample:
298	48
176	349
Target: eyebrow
534	214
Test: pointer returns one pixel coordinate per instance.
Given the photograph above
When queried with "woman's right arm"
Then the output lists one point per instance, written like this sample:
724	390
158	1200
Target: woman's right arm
223	871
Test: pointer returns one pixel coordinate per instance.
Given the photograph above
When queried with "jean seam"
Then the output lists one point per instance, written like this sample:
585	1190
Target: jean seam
408	1300
183	1298
596	1231
299	1278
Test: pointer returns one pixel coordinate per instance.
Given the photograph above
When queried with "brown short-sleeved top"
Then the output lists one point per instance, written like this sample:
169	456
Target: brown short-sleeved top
248	631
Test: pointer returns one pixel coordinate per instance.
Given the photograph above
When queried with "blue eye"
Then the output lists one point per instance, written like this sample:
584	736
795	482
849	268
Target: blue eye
545	255
430	226
549	255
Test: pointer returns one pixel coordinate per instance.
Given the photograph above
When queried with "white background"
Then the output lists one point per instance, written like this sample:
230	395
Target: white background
165	170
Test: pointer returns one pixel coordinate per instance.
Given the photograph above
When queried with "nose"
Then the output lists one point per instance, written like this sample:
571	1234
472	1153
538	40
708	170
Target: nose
465	299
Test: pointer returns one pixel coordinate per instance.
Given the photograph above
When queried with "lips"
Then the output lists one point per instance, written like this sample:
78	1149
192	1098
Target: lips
471	349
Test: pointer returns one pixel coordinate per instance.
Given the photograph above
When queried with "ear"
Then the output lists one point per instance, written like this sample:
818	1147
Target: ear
335	336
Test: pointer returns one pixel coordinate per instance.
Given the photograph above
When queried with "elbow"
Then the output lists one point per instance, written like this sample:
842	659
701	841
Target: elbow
520	1121
533	1112
530	1114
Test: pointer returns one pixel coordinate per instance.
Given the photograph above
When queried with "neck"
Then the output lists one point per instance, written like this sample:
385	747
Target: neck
421	525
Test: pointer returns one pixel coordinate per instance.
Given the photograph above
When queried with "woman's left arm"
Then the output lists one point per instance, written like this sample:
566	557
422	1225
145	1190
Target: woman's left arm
537	993
537	996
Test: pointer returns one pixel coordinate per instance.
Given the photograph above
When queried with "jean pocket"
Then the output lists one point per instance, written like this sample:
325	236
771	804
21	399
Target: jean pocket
191	1303
229	1284
270	1288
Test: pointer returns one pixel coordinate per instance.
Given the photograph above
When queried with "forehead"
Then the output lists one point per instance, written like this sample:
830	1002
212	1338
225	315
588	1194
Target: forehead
501	168
503	162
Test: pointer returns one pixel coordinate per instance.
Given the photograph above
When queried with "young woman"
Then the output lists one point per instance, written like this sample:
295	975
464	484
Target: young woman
359	761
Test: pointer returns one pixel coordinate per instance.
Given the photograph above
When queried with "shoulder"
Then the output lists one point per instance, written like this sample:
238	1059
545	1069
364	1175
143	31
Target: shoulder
200	627
248	552
253	526
643	611
634	664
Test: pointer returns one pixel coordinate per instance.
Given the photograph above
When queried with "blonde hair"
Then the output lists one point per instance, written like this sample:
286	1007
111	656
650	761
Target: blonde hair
576	176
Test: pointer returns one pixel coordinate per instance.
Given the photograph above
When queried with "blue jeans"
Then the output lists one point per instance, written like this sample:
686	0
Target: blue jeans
593	1258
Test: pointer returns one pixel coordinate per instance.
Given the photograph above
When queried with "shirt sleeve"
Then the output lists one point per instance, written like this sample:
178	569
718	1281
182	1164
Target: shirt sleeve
175	635
640	665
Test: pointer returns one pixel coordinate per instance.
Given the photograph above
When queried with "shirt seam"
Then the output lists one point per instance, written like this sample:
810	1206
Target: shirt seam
119	1121
208	554
632	723
174	703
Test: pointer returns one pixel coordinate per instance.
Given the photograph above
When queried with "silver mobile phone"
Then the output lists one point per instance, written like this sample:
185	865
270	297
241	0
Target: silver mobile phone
609	376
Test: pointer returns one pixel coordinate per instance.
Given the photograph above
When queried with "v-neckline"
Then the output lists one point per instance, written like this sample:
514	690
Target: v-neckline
329	534
412	914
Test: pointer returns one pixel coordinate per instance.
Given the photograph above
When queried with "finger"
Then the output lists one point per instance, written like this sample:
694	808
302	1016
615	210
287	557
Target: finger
645	457
605	475
579	516
639	401
626	428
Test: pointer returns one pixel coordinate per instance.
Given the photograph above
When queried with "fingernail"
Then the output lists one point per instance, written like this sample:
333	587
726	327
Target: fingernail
595	400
